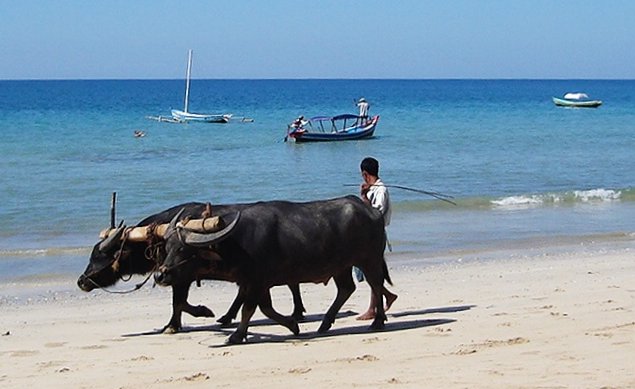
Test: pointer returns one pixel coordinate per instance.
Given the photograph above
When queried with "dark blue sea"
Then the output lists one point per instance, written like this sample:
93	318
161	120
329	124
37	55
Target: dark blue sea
523	172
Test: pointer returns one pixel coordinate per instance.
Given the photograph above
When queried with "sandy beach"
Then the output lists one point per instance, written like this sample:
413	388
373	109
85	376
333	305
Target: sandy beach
551	321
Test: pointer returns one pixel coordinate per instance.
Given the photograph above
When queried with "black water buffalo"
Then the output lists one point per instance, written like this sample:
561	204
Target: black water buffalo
279	242
113	259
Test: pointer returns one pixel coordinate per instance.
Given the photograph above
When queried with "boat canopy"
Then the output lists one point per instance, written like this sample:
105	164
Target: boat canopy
320	118
345	116
576	96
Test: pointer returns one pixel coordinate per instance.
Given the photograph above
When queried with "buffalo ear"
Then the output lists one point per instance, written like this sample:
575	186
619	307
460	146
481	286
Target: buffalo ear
200	240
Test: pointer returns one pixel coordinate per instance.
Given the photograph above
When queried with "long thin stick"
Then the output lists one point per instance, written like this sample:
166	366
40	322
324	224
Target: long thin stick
437	195
112	209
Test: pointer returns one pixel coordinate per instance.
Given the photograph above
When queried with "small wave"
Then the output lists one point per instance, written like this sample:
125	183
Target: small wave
570	197
43	252
597	195
534	200
519	200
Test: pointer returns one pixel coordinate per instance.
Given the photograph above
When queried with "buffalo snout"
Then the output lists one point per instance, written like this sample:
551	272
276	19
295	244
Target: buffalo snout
84	283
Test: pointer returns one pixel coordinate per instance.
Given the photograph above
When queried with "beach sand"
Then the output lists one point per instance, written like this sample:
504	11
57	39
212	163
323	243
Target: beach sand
551	321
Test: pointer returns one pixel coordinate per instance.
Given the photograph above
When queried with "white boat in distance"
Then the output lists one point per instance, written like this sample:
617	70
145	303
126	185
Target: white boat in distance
187	116
576	100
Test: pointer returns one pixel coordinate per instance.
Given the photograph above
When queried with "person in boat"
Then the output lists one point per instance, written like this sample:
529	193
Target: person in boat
363	106
374	193
139	134
298	124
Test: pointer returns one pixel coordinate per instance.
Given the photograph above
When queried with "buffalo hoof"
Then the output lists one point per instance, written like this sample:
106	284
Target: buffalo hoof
225	321
235	339
324	327
295	328
377	325
203	311
170	329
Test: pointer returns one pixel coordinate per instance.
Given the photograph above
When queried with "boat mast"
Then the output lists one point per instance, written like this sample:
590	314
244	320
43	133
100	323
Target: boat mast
187	80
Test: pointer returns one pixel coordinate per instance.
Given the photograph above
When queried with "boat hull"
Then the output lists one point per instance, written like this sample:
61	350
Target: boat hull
576	103
353	133
198	117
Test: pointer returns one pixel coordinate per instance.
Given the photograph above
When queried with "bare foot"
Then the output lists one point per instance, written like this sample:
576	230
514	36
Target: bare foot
390	298
368	315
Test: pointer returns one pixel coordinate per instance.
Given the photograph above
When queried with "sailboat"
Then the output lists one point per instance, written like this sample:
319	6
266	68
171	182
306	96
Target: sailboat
186	115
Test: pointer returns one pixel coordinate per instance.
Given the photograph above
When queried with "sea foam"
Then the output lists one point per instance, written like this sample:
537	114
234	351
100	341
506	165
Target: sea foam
577	196
597	195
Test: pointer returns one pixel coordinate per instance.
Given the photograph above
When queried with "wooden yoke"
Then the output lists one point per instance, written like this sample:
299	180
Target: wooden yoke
140	234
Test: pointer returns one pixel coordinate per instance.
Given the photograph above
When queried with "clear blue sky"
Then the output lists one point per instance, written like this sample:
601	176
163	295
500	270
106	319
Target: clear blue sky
148	39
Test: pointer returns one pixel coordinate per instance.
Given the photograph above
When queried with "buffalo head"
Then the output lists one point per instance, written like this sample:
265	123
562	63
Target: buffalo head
103	266
123	252
187	250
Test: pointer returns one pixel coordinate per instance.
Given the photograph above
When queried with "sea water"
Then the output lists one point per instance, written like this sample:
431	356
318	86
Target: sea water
523	172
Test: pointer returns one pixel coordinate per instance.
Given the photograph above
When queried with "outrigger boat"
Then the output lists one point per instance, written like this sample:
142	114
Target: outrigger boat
335	128
576	100
181	116
185	115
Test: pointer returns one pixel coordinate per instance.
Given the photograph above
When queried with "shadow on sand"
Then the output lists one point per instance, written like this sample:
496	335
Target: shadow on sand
397	321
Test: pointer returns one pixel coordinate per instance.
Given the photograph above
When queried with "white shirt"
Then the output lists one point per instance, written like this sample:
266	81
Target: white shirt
379	199
363	108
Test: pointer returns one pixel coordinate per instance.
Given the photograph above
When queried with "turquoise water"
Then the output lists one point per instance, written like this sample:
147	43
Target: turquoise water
520	169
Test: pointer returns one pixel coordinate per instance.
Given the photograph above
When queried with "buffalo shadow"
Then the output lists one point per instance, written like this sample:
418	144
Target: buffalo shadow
397	321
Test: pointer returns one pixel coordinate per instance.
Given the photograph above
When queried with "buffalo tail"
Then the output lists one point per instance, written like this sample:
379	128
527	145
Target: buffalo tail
386	274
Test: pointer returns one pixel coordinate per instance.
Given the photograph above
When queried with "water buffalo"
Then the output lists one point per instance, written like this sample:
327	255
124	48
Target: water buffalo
279	242
113	259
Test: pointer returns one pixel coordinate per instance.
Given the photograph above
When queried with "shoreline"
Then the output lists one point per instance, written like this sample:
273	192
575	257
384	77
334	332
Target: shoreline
560	320
60	267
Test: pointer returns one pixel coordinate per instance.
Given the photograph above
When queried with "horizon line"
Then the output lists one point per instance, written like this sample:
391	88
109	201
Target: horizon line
326	78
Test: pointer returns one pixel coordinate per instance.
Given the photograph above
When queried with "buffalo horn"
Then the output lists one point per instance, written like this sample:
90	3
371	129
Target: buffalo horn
112	238
172	226
175	219
202	239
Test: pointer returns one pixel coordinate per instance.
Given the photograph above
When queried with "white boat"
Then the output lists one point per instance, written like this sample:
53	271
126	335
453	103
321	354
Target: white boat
577	100
185	115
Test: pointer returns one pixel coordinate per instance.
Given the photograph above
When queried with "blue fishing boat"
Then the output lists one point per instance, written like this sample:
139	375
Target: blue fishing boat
576	100
332	128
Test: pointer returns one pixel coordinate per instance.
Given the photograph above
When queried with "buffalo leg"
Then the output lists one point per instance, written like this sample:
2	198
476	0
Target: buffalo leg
227	318
180	305
298	306
198	310
267	309
376	281
179	298
249	307
345	288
